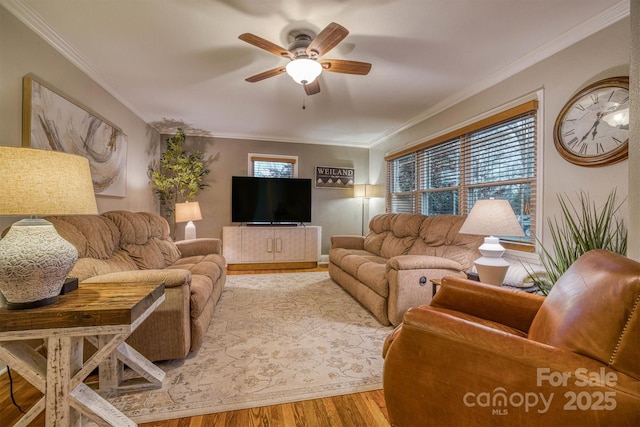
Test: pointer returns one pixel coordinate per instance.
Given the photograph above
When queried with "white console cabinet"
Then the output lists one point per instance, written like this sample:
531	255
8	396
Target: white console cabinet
283	244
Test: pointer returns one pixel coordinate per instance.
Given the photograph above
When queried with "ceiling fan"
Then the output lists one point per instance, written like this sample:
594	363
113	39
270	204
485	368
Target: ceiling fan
304	52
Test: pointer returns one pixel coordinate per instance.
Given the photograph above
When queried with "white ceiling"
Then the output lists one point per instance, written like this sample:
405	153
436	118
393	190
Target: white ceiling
181	62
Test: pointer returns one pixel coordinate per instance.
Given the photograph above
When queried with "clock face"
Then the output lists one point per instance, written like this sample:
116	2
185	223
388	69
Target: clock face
593	127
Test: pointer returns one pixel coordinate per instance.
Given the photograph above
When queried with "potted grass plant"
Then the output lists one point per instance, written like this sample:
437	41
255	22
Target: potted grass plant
581	228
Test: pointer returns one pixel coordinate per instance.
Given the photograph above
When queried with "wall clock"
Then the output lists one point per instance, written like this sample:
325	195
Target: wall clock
592	128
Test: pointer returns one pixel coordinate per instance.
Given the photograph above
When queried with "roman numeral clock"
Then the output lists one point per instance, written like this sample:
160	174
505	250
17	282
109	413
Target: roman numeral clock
592	128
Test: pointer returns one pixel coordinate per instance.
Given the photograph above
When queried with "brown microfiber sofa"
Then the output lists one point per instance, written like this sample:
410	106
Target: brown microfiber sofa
128	248
390	269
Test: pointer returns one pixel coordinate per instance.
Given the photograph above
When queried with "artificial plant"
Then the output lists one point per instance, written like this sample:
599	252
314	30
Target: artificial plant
179	174
582	228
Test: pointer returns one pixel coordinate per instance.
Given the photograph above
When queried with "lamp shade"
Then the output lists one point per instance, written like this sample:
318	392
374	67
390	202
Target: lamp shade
44	182
492	217
304	70
188	211
371	190
34	259
368	190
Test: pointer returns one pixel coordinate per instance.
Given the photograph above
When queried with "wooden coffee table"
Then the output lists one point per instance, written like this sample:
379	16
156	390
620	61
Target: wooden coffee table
104	314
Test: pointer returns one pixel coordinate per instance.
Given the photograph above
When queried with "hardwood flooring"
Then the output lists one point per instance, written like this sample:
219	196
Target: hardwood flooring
352	410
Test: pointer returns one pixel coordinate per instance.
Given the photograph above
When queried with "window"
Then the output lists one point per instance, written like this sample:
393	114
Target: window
273	166
495	157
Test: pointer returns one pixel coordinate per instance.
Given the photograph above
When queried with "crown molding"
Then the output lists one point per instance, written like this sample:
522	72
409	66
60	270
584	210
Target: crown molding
610	16
32	20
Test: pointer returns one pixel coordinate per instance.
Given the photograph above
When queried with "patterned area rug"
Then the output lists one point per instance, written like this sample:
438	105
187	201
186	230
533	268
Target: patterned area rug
274	338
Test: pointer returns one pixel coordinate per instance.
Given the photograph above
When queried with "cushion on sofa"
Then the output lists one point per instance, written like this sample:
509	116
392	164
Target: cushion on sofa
373	241
146	238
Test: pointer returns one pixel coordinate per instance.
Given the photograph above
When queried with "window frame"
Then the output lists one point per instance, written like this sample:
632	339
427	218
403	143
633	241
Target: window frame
275	158
463	135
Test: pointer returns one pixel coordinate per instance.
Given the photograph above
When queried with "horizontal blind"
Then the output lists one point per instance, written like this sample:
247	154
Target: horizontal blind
501	163
402	184
495	157
266	166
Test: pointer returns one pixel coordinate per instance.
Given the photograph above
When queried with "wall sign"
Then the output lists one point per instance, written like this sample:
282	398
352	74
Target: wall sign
334	177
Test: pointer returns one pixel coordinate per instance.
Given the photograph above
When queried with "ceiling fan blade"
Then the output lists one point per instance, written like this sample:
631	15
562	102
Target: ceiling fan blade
312	88
345	66
266	74
265	44
326	40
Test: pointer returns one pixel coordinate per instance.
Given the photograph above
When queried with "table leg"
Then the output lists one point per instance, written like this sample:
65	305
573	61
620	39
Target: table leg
64	358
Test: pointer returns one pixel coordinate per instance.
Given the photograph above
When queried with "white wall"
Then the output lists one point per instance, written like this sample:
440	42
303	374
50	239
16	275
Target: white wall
633	251
604	54
23	52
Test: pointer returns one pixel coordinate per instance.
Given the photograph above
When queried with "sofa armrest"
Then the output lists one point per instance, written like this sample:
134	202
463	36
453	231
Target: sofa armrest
200	246
170	278
508	307
347	242
418	262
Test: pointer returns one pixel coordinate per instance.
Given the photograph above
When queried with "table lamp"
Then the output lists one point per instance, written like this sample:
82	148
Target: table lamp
188	212
34	259
492	217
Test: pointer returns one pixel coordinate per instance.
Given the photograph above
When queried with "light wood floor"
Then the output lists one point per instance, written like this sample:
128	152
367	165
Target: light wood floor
360	409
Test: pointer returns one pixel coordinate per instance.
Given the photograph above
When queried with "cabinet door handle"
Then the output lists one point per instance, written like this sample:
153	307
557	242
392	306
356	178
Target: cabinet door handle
278	244
269	245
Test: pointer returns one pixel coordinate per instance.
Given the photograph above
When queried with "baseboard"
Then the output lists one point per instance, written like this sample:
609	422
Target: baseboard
271	266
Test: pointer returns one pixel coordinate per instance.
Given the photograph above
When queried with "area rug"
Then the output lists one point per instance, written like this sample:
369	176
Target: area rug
274	338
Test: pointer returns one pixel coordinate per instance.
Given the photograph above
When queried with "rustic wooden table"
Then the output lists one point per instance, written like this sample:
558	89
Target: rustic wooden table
105	315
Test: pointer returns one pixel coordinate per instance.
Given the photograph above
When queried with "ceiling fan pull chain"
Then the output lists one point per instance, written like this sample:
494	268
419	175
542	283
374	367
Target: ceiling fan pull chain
304	97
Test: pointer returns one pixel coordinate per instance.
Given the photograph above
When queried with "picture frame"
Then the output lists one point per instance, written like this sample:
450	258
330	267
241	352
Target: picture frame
53	121
334	177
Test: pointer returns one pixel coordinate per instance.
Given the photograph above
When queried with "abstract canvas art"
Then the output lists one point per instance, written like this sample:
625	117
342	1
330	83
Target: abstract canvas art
53	122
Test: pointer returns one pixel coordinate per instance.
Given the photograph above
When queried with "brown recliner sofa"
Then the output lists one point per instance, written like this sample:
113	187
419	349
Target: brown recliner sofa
391	268
482	355
129	248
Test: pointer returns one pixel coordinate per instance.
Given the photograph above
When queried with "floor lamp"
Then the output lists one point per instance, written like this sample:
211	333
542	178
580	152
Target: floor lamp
366	191
492	217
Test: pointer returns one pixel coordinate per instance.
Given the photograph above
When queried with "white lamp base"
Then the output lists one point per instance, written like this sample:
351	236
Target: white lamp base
34	263
189	231
491	267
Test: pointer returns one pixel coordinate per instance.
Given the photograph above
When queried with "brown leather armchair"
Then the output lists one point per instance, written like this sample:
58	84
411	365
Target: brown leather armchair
481	355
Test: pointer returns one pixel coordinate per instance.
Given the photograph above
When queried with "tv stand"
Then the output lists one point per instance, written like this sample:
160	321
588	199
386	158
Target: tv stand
273	224
271	246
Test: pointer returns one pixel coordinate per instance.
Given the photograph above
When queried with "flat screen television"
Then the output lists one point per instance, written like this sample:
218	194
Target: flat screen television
270	200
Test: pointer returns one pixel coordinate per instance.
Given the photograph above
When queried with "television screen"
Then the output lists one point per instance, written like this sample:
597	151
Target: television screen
270	200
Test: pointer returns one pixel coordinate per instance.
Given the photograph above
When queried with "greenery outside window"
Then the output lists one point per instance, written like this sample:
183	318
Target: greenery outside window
494	157
273	166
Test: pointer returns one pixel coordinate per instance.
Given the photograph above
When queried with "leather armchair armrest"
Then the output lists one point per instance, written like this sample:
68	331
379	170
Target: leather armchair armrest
508	307
439	368
347	242
200	246
170	278
419	262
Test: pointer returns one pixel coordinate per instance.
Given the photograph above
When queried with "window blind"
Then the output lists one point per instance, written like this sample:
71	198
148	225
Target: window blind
495	157
273	167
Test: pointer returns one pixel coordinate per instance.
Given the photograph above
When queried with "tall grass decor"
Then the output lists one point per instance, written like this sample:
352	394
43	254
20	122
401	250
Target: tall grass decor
582	227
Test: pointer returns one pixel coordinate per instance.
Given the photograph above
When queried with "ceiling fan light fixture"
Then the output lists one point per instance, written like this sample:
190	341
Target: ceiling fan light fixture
304	70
